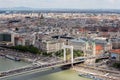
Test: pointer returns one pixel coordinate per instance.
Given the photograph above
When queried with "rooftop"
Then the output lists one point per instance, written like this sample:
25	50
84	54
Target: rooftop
117	51
99	47
78	40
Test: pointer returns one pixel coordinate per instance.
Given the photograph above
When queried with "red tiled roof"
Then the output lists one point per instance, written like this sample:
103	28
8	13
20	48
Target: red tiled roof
115	51
99	47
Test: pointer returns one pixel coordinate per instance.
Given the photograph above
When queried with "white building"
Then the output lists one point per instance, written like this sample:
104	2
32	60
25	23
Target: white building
49	45
88	47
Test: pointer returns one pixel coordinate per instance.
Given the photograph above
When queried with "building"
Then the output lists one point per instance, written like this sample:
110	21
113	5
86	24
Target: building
115	43
88	47
103	46
6	38
25	39
115	54
104	42
91	47
99	50
19	41
49	45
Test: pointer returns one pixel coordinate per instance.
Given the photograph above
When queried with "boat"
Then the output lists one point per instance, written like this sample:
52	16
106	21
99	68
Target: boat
12	58
17	59
90	76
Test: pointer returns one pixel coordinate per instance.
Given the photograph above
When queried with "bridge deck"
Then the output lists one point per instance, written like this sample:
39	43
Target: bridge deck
34	68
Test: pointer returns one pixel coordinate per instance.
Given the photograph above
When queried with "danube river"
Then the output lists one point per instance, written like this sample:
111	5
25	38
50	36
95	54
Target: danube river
55	74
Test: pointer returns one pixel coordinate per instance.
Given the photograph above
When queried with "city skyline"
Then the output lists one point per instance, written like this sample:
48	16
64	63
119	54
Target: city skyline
60	4
59	40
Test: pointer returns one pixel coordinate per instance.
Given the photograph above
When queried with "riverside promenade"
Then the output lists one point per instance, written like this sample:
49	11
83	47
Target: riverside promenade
98	72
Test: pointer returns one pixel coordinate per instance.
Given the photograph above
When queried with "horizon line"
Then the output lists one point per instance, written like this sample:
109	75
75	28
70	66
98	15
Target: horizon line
60	8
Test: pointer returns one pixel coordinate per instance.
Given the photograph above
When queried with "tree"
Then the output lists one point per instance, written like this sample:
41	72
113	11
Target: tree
30	49
78	53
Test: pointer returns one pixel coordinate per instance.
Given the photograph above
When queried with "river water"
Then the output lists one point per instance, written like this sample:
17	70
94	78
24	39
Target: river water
55	74
6	64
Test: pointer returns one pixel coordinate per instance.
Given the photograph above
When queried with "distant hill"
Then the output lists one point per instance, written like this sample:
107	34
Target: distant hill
62	10
17	8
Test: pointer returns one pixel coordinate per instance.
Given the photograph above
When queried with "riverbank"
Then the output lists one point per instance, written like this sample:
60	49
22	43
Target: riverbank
11	57
7	64
27	57
37	61
16	54
104	74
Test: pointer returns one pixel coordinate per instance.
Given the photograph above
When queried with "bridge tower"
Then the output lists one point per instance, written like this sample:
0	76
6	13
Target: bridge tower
71	50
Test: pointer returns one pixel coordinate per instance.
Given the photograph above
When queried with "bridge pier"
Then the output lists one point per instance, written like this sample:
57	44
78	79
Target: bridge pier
71	50
64	54
72	56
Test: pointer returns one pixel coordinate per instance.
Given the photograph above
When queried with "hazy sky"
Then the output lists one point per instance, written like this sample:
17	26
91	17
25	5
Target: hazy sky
77	4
